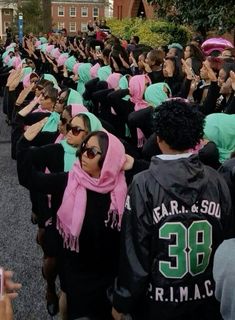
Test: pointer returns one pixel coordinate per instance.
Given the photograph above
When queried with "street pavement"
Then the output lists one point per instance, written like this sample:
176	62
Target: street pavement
18	249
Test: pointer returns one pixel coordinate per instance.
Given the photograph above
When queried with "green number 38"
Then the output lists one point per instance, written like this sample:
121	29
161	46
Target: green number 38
191	251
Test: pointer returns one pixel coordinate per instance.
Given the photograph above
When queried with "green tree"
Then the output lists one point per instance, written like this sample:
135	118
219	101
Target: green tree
203	15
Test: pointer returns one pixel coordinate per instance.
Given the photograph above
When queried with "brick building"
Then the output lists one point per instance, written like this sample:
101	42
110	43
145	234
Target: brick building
7	13
74	15
132	8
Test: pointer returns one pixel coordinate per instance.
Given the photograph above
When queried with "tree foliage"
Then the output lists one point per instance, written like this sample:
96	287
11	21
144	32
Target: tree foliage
151	32
203	15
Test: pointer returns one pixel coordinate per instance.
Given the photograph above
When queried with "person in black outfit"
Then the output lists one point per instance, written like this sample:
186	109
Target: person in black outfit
175	211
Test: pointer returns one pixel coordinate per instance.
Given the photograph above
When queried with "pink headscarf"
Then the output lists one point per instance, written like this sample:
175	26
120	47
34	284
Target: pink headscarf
94	70
75	68
37	43
113	80
137	89
55	53
27	78
16	62
61	60
49	48
71	214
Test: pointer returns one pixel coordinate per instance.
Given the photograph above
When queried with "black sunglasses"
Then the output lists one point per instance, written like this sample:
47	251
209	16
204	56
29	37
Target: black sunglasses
75	130
91	152
63	120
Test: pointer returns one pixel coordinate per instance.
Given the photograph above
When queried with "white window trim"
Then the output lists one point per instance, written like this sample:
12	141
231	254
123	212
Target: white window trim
84	16
8	12
74	25
60	25
73	15
85	27
60	8
93	9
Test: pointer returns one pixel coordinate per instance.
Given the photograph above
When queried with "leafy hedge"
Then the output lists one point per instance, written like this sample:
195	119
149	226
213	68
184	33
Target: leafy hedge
151	32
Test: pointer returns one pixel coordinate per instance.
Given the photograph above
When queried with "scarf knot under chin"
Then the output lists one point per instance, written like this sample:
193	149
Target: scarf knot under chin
71	214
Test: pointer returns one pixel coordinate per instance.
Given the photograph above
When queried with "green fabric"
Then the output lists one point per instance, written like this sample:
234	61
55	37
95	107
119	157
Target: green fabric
6	53
155	95
26	71
43	47
74	97
51	78
69	155
70	62
220	128
104	72
43	40
123	84
52	122
95	123
84	76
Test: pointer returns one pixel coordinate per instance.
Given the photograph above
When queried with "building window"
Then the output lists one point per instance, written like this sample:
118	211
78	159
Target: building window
95	12
60	25
60	11
73	26
7	12
83	27
72	12
84	12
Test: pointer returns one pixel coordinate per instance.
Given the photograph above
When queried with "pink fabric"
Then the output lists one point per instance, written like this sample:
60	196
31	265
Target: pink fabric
61	60
26	81
37	43
198	147
77	108
40	109
94	70
113	80
70	215
137	89
49	48
6	59
17	62
56	53
75	68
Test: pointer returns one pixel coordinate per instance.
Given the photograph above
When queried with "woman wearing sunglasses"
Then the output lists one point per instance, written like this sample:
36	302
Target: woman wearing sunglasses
89	204
58	157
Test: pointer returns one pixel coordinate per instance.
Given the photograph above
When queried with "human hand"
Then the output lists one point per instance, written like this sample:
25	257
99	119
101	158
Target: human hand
115	65
232	77
124	63
146	67
6	311
128	165
211	73
194	83
33	130
188	70
10	286
23	94
116	315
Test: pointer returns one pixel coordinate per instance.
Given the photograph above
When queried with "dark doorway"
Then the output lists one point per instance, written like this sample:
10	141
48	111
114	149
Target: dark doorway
141	11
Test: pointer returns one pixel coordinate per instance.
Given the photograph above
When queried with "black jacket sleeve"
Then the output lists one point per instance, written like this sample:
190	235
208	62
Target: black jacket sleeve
35	180
135	259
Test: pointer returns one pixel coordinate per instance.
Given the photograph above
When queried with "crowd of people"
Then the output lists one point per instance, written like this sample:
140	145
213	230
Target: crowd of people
128	155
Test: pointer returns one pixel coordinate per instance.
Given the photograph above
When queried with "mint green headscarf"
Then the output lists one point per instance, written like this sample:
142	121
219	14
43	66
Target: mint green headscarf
74	97
220	128
69	155
7	52
70	62
104	72
123	84
43	40
155	95
52	122
43	47
84	76
26	71
51	78
95	123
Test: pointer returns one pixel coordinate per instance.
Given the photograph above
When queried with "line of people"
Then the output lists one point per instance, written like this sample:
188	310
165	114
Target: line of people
91	118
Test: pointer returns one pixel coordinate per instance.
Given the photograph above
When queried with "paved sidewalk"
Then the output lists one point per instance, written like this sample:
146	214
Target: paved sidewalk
18	249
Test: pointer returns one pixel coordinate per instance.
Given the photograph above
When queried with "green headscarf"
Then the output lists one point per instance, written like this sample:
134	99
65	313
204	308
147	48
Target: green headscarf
43	40
69	155
26	71
51	78
52	122
84	76
155	95
104	72
43	47
74	97
7	52
95	123
123	84
70	62
220	128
